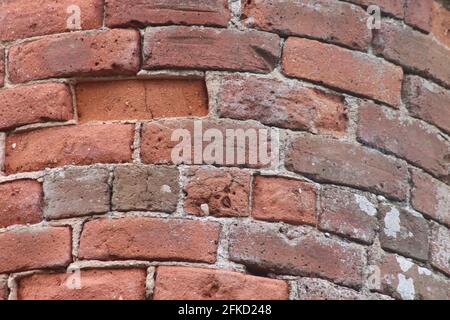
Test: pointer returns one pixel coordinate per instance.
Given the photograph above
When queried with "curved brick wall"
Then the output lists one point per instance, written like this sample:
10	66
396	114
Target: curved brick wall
94	206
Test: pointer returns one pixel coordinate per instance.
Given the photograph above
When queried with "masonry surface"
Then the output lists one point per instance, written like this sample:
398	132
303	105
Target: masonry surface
357	207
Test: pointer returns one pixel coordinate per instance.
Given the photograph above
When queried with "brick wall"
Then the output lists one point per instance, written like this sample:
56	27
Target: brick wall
93	206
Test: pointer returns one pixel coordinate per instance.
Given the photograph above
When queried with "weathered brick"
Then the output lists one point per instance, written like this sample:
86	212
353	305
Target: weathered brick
319	289
393	7
2	67
149	239
20	202
418	13
96	284
35	248
286	104
24	19
283	199
404	232
348	213
406	138
427	101
431	197
141	99
405	280
162	143
76	192
124	13
76	54
340	23
35	103
217	192
3	287
207	48
348	164
70	145
305	253
184	283
406	47
440	26
440	248
344	69
145	188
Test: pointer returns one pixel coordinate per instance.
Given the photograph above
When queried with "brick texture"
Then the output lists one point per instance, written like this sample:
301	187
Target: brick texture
77	54
182	283
3	288
35	103
407	139
126	284
20	202
217	192
418	13
393	7
357	166
35	248
335	67
440	248
75	145
149	239
207	48
284	104
282	199
344	23
427	101
308	254
2	67
141	99
124	13
24	19
440	26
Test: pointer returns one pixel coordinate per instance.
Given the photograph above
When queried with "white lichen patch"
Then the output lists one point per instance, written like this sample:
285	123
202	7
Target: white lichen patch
392	223
205	208
165	188
404	263
365	205
424	271
405	287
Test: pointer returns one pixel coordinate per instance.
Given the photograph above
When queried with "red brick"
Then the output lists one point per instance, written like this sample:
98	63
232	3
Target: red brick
141	99
2	67
184	283
76	54
339	22
406	47
348	164
70	145
406	138
149	239
100	284
405	280
343	69
35	248
3	288
20	202
427	101
24	19
157	144
418	13
309	253
393	7
145	188
76	192
286	104
348	213
431	197
440	248
35	103
440	26
283	199
404	232
207	48
153	12
217	192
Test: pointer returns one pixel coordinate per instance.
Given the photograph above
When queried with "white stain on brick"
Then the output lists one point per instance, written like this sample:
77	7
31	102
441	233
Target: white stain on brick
365	205
205	208
424	271
392	223
165	188
406	287
404	264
